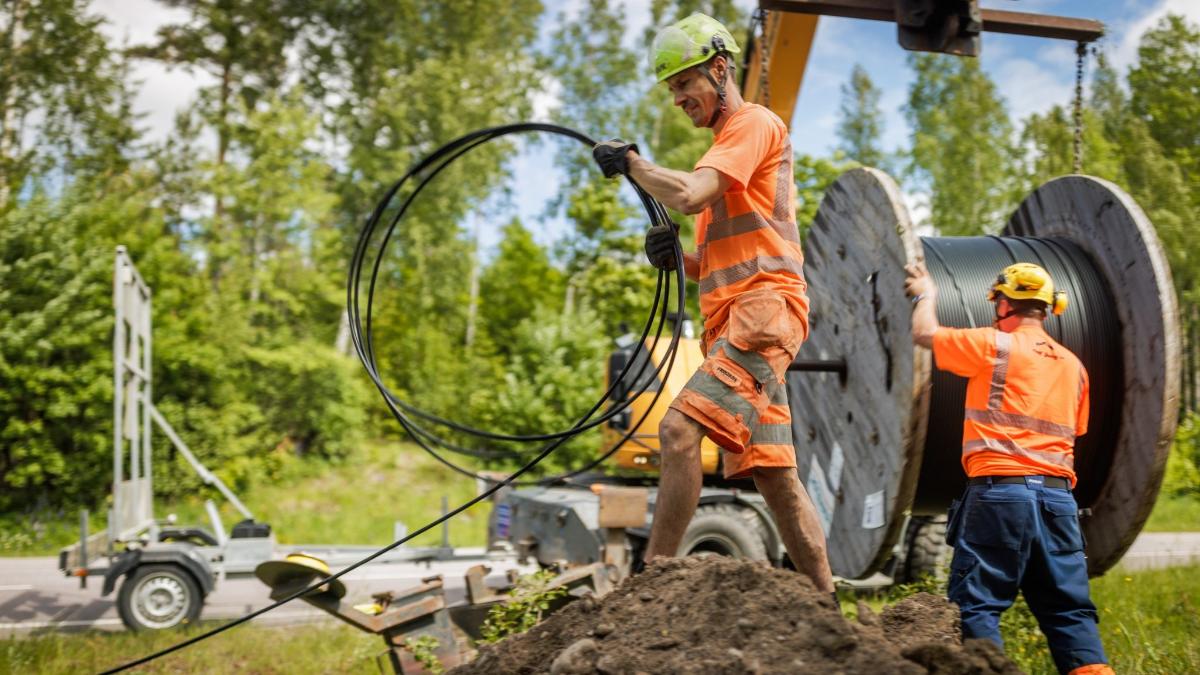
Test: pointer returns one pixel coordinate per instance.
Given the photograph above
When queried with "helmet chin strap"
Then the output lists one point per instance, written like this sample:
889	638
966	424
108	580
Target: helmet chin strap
1011	312
712	121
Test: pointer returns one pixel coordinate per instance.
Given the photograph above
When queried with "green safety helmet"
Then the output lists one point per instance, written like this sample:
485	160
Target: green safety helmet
690	42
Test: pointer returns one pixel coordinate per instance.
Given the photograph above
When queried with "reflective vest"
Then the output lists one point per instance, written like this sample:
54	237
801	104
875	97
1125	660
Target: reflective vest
747	239
1027	400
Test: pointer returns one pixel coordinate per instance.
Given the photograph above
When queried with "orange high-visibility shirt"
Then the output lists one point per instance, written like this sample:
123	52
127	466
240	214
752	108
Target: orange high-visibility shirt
748	239
1027	400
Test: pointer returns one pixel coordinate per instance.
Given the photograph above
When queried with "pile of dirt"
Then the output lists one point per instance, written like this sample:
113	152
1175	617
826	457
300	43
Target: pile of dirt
717	615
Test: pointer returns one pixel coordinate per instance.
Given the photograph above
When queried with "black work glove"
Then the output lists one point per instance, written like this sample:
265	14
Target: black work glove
660	245
612	156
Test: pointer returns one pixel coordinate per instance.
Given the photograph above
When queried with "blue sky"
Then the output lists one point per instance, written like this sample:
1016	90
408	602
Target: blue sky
1031	74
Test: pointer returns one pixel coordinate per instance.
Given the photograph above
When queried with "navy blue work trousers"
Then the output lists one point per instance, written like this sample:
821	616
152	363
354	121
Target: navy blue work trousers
1023	537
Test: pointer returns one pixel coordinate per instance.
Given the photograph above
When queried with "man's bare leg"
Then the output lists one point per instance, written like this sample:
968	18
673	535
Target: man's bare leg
679	482
798	524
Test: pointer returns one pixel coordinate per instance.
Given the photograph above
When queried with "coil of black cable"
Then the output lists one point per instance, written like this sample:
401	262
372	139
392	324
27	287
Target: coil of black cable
963	269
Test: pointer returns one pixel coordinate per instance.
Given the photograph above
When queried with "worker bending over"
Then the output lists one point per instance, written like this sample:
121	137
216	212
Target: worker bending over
749	265
1017	526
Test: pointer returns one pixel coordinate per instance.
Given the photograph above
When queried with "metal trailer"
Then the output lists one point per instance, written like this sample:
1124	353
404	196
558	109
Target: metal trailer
166	570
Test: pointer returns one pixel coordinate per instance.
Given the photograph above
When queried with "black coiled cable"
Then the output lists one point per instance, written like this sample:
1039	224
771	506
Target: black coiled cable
364	346
964	268
406	414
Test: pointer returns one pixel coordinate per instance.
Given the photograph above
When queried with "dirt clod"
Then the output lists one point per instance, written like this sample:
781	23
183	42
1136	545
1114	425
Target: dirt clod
578	659
717	615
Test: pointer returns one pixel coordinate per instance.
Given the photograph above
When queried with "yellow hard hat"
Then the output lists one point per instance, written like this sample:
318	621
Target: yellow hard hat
299	569
1026	281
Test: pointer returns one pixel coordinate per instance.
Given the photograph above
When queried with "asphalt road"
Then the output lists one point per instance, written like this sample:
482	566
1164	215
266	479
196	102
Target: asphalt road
34	596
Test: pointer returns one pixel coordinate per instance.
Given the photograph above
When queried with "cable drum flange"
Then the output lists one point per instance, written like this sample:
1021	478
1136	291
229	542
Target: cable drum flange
859	438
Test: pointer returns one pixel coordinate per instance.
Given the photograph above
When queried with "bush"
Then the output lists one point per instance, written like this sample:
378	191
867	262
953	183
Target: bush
1183	464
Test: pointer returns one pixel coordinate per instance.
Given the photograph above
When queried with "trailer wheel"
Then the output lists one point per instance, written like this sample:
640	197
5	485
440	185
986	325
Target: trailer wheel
926	553
725	529
154	597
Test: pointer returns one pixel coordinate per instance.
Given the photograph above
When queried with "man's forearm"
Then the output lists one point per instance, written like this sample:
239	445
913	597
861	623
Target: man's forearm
691	266
675	189
924	320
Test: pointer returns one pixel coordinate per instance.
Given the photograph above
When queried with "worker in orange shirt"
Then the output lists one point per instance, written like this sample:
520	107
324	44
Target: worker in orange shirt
749	264
1016	527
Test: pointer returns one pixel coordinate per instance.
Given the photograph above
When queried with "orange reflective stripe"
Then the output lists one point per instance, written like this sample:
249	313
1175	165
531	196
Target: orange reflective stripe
1021	422
1008	447
748	268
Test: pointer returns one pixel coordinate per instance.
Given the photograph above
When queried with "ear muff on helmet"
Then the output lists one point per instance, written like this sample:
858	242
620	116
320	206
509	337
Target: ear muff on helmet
1059	305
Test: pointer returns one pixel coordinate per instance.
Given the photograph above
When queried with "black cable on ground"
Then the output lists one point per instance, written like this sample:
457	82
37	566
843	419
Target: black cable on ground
365	348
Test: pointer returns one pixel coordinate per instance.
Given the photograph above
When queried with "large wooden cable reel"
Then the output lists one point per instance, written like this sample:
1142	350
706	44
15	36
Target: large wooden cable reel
883	441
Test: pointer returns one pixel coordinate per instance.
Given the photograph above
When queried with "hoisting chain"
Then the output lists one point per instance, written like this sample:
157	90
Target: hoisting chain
1080	55
764	96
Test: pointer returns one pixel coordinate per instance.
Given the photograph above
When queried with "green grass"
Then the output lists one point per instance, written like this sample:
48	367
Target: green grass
1174	514
1149	623
354	501
314	648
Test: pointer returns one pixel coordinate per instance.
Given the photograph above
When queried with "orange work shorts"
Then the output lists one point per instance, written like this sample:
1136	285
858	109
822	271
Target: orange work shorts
739	396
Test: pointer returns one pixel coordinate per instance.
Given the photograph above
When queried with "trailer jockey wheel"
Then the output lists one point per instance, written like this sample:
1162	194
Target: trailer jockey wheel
724	529
155	597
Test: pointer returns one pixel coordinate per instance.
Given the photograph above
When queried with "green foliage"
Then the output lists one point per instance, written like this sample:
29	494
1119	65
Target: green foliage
54	348
1173	513
1183	464
518	281
1165	91
64	107
861	119
523	610
962	147
813	176
424	650
555	374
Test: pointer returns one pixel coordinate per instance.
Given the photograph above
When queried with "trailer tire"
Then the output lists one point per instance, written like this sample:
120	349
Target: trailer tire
926	553
725	529
157	597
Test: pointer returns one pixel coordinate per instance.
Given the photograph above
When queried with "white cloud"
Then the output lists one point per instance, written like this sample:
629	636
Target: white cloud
1034	85
1131	33
161	92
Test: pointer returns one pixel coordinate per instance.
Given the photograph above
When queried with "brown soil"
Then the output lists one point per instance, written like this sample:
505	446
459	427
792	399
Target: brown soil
717	615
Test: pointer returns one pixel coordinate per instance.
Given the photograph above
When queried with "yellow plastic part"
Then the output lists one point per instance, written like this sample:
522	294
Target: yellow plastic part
641	452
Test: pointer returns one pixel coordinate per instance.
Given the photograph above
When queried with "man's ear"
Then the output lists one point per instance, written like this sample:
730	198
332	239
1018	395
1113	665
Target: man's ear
720	66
